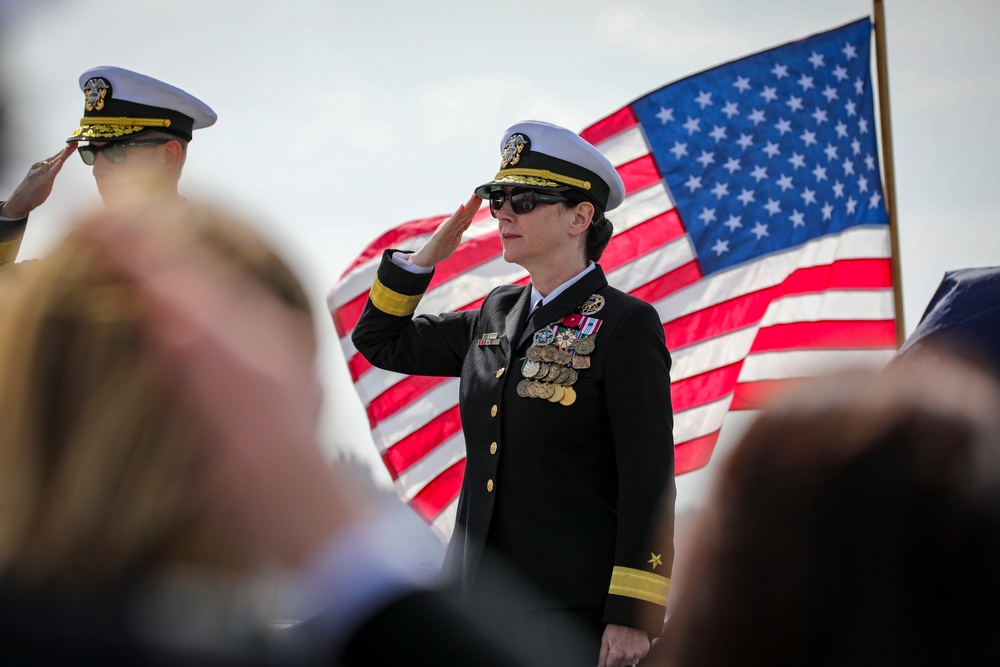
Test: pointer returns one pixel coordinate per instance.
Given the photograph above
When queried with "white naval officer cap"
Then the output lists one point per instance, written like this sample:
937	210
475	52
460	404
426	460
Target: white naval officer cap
120	104
541	155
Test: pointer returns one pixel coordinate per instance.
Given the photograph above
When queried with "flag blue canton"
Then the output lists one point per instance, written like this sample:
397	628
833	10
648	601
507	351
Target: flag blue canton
767	152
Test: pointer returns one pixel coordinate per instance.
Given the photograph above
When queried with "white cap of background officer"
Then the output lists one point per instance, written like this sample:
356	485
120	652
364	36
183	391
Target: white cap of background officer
120	105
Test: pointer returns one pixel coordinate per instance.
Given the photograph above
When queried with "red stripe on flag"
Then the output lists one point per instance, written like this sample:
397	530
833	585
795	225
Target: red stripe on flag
693	454
399	395
440	491
346	317
668	283
415	446
747	310
826	334
704	388
639	173
617	122
358	366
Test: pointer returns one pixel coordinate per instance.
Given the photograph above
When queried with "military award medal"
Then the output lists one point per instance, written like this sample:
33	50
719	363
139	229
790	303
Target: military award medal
558	352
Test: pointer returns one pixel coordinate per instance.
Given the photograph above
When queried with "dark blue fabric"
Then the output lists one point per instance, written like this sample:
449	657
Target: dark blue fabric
964	312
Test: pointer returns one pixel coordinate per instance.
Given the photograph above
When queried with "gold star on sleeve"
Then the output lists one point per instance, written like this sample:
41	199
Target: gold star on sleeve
655	560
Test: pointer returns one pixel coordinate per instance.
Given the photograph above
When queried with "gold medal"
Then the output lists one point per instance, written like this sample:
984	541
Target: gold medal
548	353
532	389
573	377
522	388
563	375
534	353
581	361
557	394
569	396
583	346
545	390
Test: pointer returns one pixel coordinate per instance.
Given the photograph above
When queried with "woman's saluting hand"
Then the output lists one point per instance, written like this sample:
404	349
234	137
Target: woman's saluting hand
446	238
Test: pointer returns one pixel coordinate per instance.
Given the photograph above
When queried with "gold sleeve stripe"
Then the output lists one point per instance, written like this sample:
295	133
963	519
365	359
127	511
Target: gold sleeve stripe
632	583
8	251
546	174
392	302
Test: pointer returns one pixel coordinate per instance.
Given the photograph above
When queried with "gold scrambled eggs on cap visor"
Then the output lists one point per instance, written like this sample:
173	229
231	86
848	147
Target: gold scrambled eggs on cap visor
104	132
532	181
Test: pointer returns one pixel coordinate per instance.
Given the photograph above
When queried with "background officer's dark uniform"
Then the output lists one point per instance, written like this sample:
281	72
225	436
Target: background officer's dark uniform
567	495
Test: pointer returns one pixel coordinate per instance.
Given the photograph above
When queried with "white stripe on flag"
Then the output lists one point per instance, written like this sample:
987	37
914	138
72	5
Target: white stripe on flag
833	305
802	363
699	421
711	354
444	523
624	146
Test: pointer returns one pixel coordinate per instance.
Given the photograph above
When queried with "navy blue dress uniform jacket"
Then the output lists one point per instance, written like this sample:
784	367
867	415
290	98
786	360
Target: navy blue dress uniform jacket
570	496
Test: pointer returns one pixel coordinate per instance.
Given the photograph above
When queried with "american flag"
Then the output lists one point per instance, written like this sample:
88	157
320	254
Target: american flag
754	223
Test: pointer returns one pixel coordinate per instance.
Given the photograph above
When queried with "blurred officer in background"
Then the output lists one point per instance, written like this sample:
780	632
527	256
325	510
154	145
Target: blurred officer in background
134	133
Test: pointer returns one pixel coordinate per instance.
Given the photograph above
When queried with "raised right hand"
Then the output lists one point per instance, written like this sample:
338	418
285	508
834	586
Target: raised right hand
36	186
446	237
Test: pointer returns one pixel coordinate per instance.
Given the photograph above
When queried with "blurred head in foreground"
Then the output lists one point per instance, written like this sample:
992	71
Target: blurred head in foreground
101	464
856	523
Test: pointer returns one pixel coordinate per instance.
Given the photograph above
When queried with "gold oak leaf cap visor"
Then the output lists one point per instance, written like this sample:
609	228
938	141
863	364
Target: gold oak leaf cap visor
120	104
542	155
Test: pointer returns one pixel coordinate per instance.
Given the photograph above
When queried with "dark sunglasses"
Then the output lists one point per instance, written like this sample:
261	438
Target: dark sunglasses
522	200
115	152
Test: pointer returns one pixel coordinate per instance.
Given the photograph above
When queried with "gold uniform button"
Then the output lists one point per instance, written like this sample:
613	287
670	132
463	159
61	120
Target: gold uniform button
500	372
493	411
493	448
489	486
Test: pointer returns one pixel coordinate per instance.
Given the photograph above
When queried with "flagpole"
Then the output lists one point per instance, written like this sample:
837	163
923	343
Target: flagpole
888	169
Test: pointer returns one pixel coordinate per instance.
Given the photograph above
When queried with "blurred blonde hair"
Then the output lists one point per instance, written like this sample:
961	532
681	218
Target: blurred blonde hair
98	457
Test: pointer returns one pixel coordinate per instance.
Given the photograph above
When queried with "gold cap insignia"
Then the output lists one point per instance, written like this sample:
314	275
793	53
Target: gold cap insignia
94	91
511	153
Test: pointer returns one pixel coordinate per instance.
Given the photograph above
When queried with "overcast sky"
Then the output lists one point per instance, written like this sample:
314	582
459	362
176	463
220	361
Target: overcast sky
338	121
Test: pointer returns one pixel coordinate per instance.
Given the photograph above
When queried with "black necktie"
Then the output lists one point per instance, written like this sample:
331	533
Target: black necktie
534	309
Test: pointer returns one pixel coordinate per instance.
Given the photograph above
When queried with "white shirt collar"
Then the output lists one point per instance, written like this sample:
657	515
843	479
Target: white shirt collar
536	296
